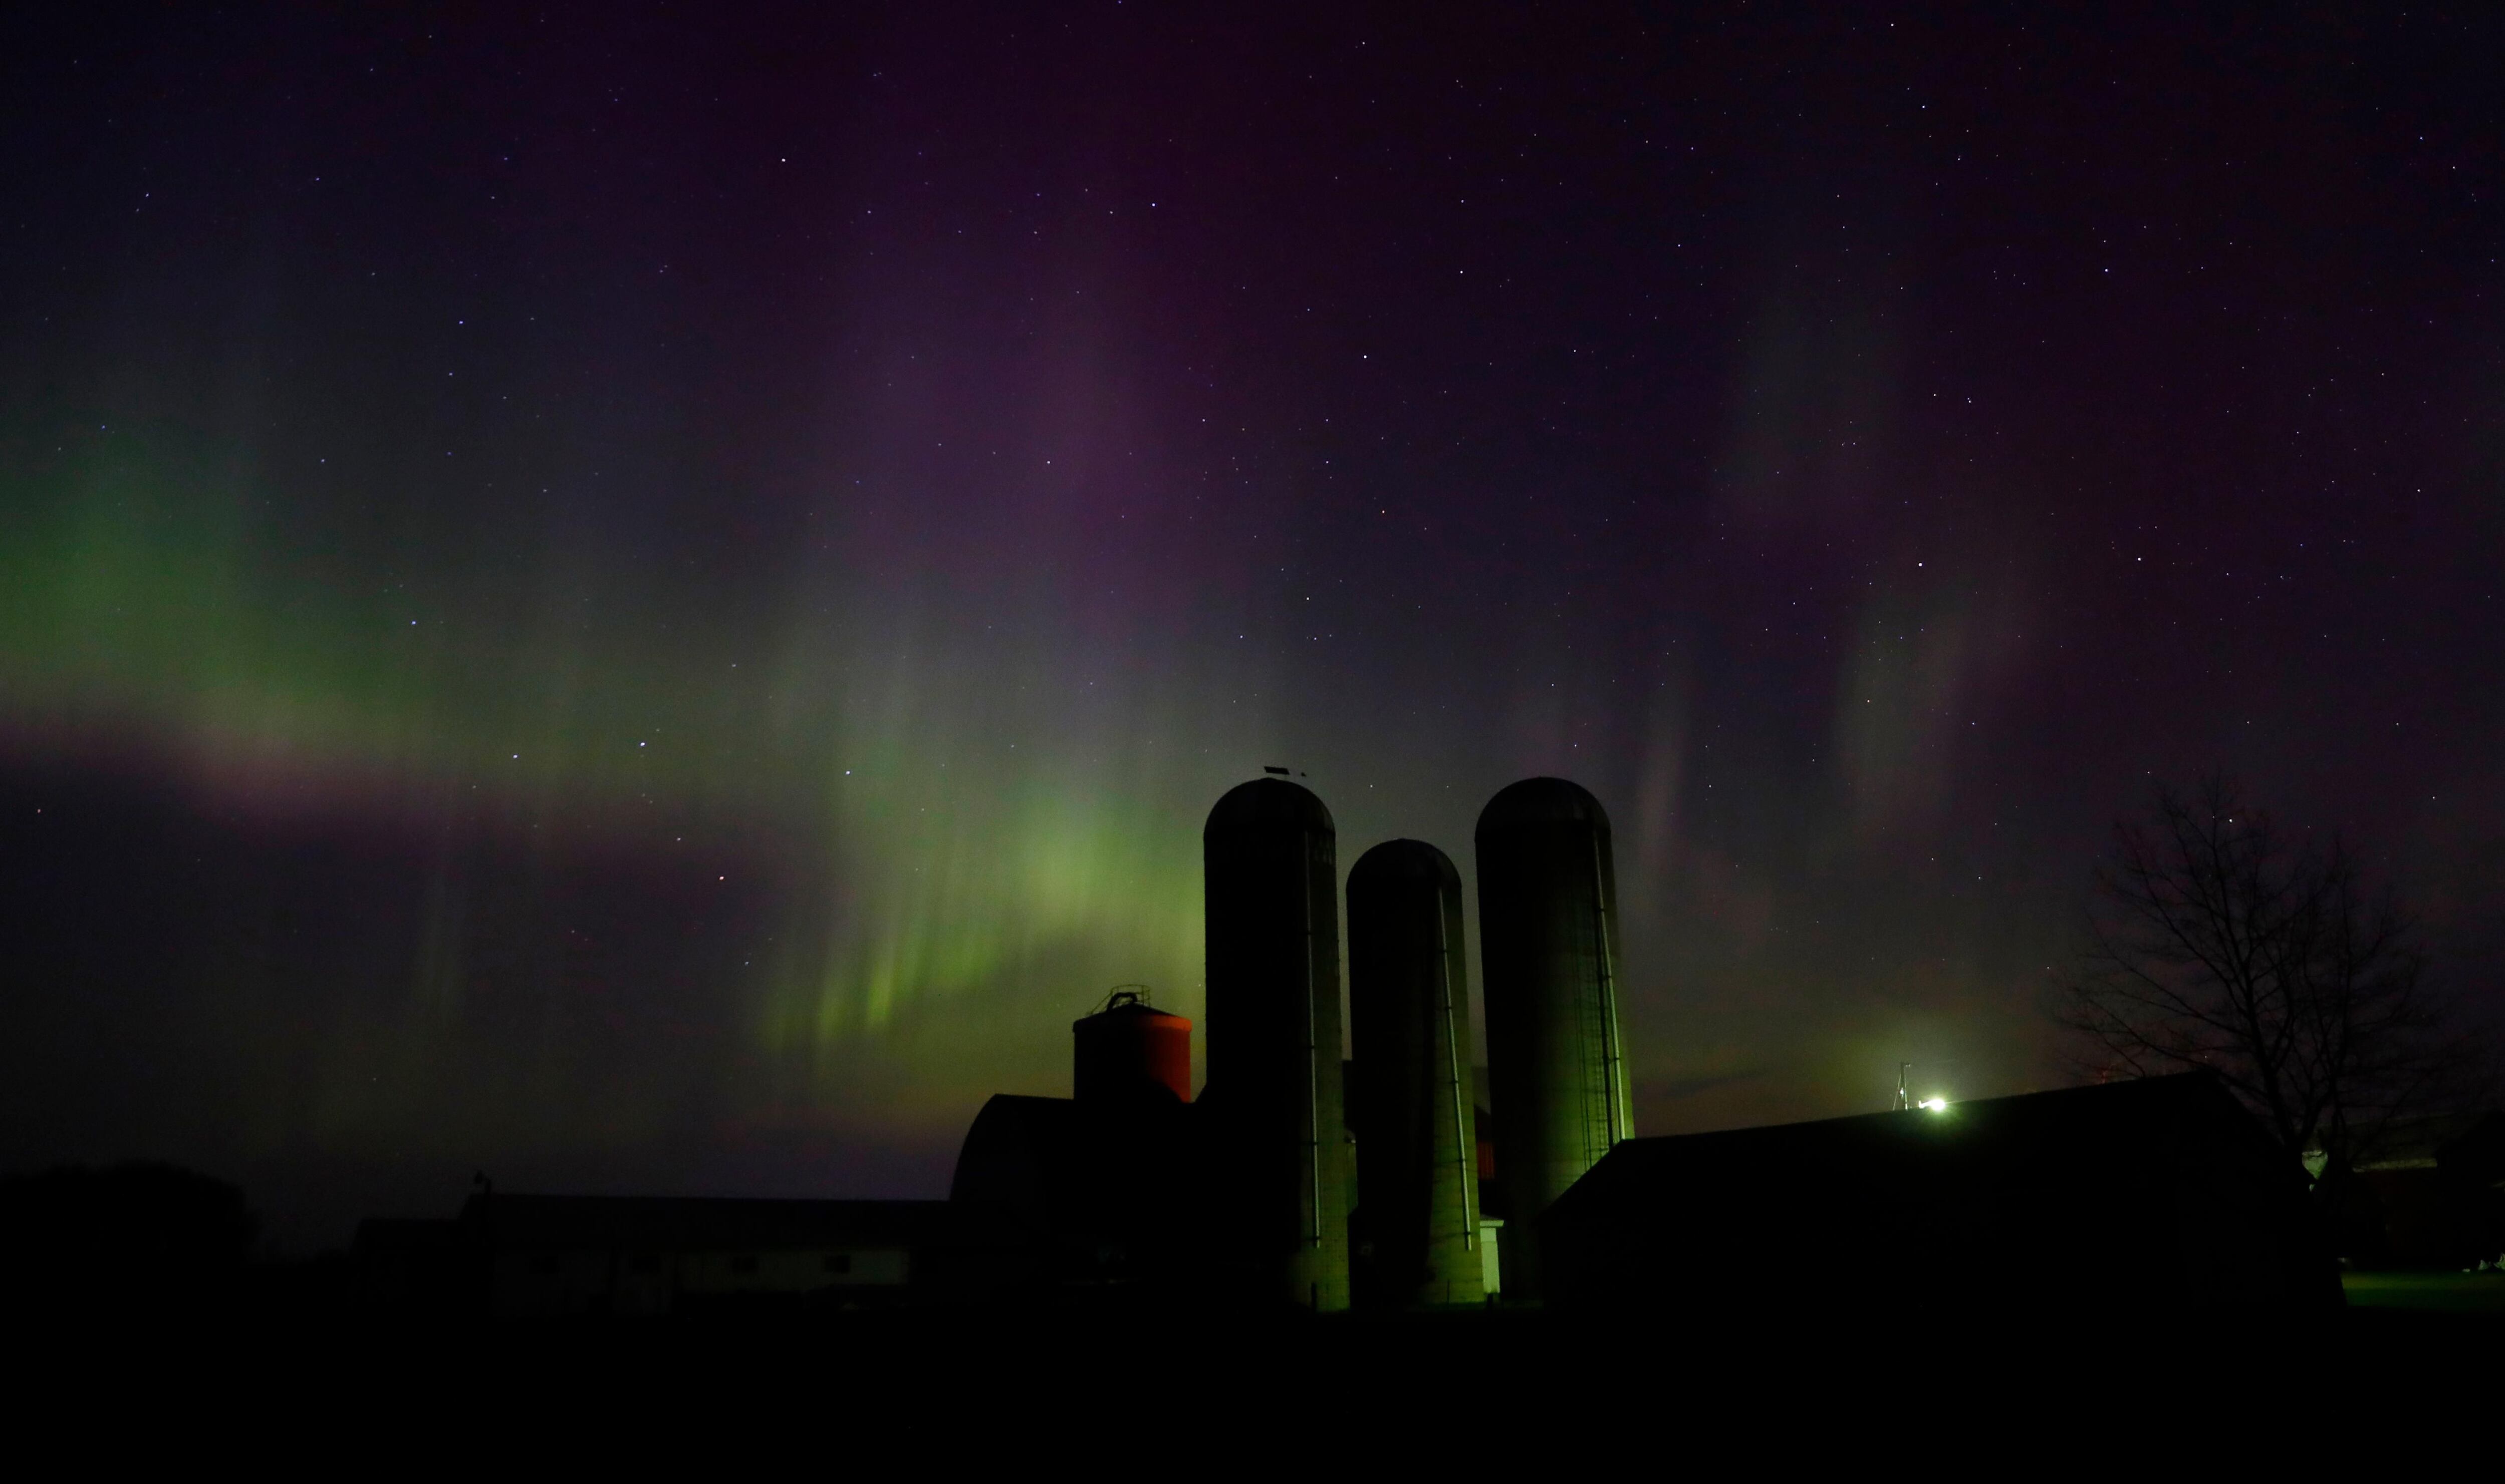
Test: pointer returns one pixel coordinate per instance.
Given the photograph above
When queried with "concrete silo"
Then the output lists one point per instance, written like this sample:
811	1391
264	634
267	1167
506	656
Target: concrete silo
1409	1000
1272	1100
1547	943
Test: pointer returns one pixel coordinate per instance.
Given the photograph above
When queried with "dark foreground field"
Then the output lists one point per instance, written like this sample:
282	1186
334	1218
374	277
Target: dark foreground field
2463	1293
951	1385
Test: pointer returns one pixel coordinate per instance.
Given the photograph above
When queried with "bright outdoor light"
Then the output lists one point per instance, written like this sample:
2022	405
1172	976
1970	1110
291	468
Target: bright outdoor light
1936	1104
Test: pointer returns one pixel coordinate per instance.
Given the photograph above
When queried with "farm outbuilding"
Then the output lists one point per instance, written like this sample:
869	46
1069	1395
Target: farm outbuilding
2161	1195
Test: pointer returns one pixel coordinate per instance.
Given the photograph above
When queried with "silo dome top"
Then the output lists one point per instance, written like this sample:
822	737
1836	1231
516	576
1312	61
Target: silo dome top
1270	804
1403	860
1541	801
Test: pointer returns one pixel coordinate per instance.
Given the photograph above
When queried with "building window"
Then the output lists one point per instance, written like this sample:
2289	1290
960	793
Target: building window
839	1262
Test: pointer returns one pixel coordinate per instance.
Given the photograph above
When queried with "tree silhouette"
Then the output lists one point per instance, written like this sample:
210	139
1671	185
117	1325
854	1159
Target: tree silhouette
130	1236
2218	940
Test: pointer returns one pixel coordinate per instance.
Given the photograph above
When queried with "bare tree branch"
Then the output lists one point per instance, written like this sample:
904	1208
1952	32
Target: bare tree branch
2218	942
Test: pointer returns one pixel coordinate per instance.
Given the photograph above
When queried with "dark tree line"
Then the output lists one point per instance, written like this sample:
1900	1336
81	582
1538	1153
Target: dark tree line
2221	941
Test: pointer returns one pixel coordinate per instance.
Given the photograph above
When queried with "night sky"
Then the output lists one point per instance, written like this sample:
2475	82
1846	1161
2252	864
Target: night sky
651	599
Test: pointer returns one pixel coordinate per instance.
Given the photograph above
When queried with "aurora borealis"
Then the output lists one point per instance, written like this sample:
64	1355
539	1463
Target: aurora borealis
651	597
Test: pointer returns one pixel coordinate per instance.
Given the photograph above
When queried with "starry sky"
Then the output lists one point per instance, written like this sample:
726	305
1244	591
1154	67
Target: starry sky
651	597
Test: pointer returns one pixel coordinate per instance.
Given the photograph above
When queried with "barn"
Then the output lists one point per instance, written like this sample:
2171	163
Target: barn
2158	1196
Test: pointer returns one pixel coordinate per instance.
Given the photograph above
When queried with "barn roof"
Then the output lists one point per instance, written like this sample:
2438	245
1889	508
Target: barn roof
698	1223
2159	1187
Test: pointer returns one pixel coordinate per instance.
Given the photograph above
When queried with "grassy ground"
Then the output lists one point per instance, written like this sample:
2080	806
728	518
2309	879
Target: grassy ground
2443	1293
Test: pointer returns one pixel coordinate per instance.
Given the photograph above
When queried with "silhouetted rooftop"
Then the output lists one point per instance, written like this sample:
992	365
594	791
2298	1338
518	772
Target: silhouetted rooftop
699	1222
2145	1193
